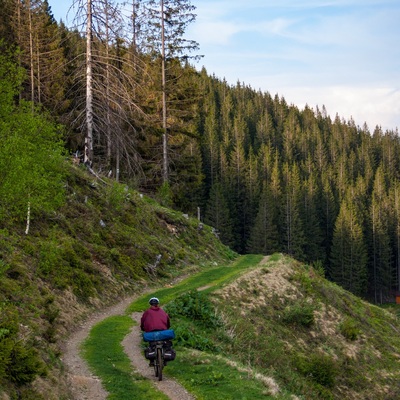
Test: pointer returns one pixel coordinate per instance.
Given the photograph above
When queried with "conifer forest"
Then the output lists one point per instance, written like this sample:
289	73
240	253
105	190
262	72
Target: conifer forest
122	90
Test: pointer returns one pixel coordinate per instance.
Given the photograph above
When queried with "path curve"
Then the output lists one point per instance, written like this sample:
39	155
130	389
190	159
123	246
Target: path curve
84	385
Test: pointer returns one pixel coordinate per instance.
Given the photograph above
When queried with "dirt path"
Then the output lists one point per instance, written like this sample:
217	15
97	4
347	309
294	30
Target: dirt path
85	386
132	348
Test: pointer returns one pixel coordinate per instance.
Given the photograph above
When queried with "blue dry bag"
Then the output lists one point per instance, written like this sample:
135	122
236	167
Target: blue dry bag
158	335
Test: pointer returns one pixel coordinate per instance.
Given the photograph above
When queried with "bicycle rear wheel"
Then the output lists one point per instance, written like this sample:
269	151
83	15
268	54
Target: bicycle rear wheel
155	369
159	364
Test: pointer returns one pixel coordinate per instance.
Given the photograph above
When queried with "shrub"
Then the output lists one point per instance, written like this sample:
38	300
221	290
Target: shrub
165	195
188	336
192	307
275	257
19	362
319	268
299	314
25	364
195	306
49	258
349	329
117	195
320	368
83	285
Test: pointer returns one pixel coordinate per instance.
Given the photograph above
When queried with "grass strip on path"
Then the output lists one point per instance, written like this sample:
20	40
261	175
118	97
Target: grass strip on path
106	357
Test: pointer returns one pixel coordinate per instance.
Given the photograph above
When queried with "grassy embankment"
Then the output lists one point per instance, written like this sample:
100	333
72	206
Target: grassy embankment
94	250
277	331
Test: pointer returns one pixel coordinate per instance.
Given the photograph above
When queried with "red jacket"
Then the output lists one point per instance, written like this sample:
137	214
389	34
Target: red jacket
154	319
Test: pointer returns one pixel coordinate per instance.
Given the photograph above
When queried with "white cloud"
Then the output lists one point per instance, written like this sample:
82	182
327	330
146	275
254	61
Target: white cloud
341	54
374	106
214	33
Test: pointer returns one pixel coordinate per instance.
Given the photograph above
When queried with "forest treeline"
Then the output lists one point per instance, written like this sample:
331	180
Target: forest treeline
266	175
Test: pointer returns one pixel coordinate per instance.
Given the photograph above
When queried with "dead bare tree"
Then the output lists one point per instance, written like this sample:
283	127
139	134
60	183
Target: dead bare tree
110	109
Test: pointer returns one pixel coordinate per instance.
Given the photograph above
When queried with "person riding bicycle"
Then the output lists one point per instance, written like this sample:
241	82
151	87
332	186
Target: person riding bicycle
154	318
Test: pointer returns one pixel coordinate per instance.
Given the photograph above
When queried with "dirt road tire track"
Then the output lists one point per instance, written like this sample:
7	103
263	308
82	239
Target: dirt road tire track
86	386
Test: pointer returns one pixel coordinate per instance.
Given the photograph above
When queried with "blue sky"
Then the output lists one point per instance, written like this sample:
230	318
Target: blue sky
341	54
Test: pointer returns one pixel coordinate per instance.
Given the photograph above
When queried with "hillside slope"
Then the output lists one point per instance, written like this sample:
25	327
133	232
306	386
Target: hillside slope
280	324
108	241
273	328
314	339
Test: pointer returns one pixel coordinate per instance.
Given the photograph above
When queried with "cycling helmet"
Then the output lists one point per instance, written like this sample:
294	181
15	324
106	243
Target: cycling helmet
153	301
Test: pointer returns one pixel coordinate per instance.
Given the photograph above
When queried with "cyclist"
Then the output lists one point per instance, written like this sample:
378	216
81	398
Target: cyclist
154	318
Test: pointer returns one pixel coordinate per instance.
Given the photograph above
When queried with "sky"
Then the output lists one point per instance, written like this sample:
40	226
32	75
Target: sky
341	54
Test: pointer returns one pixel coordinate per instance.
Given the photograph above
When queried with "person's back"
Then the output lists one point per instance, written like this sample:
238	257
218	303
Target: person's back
154	318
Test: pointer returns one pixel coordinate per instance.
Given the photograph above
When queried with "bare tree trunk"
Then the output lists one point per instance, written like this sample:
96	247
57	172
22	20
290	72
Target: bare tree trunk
19	24
134	30
39	91
108	83
28	217
89	89
31	54
164	99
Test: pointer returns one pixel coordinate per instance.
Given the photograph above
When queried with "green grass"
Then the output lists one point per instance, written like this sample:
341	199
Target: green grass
212	277
105	356
104	352
254	340
210	377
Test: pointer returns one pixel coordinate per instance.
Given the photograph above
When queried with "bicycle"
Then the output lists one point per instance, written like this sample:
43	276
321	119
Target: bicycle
159	353
159	361
160	349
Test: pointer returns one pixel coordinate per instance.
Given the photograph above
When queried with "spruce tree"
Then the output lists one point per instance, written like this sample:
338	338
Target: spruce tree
394	231
381	279
293	229
349	256
313	236
218	215
167	22
264	236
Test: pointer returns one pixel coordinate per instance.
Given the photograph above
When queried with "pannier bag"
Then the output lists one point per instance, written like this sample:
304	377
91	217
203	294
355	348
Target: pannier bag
150	353
169	352
169	355
158	335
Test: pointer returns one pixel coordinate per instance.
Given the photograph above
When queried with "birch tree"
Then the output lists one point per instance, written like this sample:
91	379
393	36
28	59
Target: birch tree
31	154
